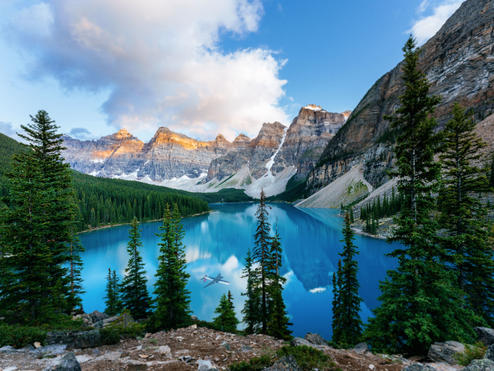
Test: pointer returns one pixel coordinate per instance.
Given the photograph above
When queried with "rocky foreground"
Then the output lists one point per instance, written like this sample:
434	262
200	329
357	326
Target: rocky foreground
198	348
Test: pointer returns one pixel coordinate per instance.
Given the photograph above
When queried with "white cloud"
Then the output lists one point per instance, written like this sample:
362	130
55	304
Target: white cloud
161	59
427	26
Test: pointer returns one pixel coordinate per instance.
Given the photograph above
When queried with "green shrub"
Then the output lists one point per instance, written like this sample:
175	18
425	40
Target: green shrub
308	358
109	335
20	336
254	364
476	351
113	333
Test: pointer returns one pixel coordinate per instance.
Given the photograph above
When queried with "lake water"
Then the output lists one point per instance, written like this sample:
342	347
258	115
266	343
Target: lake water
218	242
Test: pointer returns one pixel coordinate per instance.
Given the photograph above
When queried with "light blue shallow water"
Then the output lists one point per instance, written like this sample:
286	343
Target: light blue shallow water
218	242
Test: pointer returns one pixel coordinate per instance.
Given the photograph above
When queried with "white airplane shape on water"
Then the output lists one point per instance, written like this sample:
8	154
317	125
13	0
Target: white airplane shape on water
217	279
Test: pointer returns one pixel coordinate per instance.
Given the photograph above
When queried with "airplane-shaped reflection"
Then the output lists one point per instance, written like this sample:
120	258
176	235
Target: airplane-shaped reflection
217	279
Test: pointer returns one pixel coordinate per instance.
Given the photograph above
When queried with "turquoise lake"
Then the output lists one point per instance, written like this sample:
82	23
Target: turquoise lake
218	242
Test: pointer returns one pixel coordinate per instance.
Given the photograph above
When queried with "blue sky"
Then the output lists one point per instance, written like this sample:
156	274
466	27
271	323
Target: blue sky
198	67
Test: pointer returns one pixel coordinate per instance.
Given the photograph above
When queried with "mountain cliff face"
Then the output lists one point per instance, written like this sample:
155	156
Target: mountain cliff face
254	154
459	63
266	162
307	137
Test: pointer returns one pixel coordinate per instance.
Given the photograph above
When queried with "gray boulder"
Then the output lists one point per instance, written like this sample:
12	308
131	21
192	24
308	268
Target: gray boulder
445	352
480	365
205	365
285	363
485	335
315	339
419	367
74	339
97	316
361	348
489	354
296	341
67	363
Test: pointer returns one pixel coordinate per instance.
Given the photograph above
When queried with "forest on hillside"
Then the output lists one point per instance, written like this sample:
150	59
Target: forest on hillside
110	201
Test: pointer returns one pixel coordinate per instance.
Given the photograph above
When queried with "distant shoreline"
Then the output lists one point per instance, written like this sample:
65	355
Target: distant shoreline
128	223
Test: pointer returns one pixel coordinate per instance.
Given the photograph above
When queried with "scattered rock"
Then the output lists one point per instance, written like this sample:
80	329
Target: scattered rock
125	319
75	339
485	335
361	348
480	365
300	341
372	367
194	326
186	358
51	350
67	363
205	365
285	363
419	367
440	352
98	316
245	348
225	345
315	339
489	354
37	344
7	349
164	350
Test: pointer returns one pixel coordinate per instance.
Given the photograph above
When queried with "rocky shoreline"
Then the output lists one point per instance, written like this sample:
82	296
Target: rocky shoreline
204	349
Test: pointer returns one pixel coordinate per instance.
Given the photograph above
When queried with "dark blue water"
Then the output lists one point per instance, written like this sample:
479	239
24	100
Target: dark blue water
218	242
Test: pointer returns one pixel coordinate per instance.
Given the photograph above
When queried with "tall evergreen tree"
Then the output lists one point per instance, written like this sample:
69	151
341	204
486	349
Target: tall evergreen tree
419	303
337	316
37	229
113	301
252	302
463	216
226	320
135	295
75	279
278	321
260	255
172	296
347	325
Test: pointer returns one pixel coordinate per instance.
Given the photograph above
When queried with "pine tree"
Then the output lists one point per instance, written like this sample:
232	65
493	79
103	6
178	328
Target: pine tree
113	302
135	295
337	316
226	320
261	256
419	302
278	322
37	229
172	297
252	302
75	267
463	216
347	325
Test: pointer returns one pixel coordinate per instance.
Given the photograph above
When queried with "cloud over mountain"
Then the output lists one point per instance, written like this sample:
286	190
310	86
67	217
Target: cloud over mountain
161	61
430	22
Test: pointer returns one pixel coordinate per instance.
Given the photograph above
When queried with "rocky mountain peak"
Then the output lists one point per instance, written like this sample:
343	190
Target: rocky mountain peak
221	141
122	134
241	140
269	136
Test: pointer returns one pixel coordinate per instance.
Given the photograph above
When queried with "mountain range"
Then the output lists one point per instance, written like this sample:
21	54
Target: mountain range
339	157
171	159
